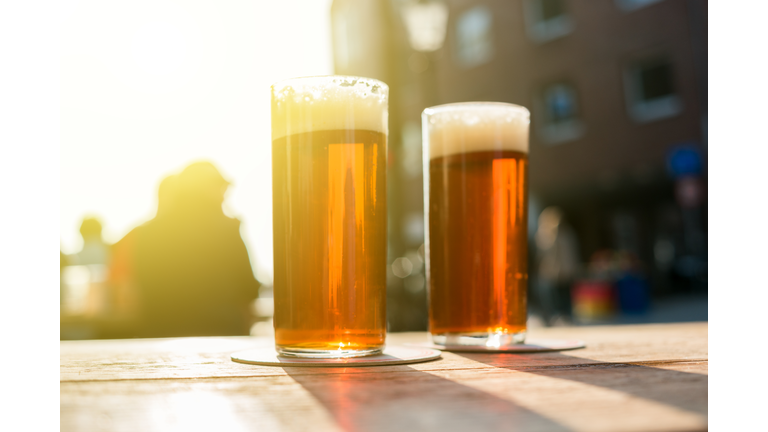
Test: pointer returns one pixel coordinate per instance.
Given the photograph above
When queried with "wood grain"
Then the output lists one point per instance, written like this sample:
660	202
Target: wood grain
630	378
209	357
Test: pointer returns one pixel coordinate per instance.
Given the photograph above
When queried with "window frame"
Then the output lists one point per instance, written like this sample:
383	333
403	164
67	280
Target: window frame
642	110
633	5
540	30
460	50
554	133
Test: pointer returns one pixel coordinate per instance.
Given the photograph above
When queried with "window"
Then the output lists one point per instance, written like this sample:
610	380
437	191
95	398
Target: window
560	100
426	23
631	5
547	19
651	91
551	9
348	48
559	114
474	40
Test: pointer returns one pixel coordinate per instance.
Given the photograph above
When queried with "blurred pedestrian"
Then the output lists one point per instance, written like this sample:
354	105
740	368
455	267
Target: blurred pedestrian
93	297
558	262
94	250
191	268
122	270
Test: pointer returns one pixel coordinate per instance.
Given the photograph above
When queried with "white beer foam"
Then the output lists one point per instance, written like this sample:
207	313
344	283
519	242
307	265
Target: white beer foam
311	104
475	126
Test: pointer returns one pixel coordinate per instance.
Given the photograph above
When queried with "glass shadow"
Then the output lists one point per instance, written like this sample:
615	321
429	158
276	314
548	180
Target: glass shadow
402	398
676	388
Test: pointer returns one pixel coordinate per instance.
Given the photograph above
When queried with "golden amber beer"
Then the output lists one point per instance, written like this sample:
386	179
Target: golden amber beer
329	148
476	200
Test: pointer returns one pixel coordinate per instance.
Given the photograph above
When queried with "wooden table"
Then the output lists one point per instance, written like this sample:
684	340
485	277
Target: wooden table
629	378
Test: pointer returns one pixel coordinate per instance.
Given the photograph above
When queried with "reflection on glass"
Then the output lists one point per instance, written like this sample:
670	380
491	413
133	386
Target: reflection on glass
329	203
476	193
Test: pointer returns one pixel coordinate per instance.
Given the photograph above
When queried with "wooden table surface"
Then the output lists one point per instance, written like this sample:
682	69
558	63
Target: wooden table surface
629	378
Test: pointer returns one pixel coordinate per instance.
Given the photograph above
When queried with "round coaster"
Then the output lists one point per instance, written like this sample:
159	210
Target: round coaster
530	346
393	355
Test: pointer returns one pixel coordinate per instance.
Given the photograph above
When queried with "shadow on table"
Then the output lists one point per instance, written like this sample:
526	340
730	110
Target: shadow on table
402	399
676	388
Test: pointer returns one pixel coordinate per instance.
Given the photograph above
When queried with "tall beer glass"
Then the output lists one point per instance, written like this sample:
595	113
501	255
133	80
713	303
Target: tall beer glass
476	199
329	148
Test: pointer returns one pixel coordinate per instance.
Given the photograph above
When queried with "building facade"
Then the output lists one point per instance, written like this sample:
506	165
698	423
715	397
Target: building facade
617	91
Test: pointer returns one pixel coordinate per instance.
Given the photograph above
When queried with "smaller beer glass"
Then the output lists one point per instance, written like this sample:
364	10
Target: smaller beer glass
476	205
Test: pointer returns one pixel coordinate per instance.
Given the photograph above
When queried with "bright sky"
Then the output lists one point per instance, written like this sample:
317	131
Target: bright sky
149	86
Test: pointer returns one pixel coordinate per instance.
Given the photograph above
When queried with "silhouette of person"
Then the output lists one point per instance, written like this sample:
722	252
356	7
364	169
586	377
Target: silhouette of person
558	263
191	267
95	250
94	256
122	268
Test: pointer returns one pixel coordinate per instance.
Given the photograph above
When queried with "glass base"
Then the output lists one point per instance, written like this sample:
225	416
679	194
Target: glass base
329	354
492	340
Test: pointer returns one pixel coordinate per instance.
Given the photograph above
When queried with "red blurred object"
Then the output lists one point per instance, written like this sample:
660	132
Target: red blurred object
593	300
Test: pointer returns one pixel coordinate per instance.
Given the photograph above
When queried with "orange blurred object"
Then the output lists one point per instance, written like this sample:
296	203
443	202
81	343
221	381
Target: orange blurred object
593	300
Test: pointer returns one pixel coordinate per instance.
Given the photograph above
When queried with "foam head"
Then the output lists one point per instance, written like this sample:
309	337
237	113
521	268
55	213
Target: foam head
474	126
312	104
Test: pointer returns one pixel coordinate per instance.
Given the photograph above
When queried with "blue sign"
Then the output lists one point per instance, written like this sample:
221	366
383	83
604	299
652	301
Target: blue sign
684	160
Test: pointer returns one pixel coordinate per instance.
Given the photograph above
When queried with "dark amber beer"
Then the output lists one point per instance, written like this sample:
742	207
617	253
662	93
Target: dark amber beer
476	199
329	147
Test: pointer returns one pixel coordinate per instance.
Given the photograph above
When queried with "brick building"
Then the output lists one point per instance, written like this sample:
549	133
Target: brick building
614	88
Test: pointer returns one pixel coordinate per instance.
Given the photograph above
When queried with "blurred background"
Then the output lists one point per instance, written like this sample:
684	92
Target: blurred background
165	97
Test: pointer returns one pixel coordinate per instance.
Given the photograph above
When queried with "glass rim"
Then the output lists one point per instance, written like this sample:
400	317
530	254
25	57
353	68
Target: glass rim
477	105
327	79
